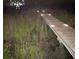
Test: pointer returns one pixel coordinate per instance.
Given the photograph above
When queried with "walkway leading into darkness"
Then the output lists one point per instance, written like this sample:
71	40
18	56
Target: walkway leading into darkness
65	33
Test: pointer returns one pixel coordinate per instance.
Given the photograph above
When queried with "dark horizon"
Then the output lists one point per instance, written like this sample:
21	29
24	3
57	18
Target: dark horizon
53	4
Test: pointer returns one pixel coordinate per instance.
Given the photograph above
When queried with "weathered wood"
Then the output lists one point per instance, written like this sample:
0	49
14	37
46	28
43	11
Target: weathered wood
64	32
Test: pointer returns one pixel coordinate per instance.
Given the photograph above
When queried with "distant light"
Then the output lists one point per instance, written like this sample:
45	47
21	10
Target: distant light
42	14
20	4
43	10
66	25
49	14
52	25
37	11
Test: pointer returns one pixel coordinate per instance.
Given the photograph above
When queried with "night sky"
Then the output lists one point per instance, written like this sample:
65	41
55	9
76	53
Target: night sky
53	4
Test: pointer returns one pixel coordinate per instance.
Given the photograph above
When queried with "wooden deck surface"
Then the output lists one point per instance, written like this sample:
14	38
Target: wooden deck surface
64	32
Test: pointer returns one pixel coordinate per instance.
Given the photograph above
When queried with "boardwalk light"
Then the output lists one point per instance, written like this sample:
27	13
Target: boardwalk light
52	25
42	14
37	11
49	14
66	25
43	11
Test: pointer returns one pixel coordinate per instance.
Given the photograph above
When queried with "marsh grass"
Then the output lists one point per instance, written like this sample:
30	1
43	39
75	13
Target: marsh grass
29	37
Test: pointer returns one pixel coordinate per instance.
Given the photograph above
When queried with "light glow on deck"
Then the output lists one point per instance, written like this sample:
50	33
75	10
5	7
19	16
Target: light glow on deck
37	11
42	14
49	14
43	10
66	25
52	25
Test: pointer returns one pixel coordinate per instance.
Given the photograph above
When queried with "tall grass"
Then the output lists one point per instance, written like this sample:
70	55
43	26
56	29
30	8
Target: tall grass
29	37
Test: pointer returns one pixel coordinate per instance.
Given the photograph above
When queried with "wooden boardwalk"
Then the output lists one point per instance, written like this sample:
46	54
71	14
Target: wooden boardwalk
65	33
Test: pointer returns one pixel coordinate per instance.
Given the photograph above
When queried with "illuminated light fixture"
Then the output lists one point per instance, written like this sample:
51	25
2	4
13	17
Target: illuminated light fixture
52	25
66	25
49	14
37	11
43	10
42	14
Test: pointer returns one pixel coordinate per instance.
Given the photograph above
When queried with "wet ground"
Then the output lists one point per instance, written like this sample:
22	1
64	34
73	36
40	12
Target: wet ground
27	36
